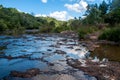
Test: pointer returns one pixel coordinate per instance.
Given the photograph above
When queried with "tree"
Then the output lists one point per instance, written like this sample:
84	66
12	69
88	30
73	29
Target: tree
115	4
52	23
103	8
113	17
93	14
74	24
3	26
1	6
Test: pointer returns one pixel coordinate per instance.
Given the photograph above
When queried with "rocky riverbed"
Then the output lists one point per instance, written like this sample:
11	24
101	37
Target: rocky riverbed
41	57
53	57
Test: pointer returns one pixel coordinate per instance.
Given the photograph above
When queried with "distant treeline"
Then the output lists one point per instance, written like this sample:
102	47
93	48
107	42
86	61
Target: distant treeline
105	14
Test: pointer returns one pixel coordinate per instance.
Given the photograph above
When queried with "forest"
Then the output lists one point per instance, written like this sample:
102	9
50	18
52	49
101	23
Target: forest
104	17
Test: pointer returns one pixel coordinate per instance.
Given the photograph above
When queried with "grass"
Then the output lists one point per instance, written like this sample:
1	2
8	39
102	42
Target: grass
82	31
111	34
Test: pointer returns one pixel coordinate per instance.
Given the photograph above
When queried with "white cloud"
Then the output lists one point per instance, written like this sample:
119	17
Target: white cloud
77	7
83	17
59	15
44	1
38	15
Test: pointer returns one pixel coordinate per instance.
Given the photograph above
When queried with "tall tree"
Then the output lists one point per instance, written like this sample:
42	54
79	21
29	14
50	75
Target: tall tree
115	4
93	14
103	8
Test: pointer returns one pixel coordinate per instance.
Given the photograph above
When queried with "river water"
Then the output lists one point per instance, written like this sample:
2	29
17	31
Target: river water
110	52
44	52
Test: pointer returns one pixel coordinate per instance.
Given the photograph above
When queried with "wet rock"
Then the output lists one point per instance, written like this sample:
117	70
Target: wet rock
33	71
90	45
9	57
2	47
74	62
63	40
56	46
49	50
110	70
51	64
28	74
23	50
60	43
71	34
4	44
60	52
16	74
70	47
77	49
51	45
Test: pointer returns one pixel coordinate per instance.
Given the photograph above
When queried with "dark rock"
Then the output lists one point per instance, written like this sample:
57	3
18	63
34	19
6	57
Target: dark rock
9	57
49	50
56	46
33	71
60	52
64	40
77	49
51	46
28	74
70	47
51	64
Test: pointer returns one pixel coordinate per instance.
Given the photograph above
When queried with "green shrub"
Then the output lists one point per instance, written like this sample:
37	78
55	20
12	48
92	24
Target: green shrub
17	31
46	29
86	30
81	34
57	29
60	29
111	34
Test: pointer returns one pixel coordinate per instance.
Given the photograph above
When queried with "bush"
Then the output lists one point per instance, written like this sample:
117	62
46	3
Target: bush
81	33
45	29
3	26
111	34
86	30
17	31
57	29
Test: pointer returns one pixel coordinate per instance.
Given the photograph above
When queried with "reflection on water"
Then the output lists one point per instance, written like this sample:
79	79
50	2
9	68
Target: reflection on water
111	52
29	51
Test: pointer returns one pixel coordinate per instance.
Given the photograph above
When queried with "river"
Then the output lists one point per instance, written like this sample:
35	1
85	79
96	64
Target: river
47	53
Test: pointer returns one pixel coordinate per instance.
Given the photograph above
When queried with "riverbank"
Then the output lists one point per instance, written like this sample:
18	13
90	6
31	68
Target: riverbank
101	69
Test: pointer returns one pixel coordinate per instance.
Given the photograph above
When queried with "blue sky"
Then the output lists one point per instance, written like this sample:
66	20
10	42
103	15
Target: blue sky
59	9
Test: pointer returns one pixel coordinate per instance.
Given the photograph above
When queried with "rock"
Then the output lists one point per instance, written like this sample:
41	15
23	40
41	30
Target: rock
9	57
49	50
108	71
56	46
70	47
28	74
60	52
77	49
33	71
51	64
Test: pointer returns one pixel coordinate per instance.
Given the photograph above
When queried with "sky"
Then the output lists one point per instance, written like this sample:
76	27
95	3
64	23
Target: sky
59	9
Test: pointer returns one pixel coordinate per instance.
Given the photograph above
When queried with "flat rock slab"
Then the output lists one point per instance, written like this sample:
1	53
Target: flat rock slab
28	74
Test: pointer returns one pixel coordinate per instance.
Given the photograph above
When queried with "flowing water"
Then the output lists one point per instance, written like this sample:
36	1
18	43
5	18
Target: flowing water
47	53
